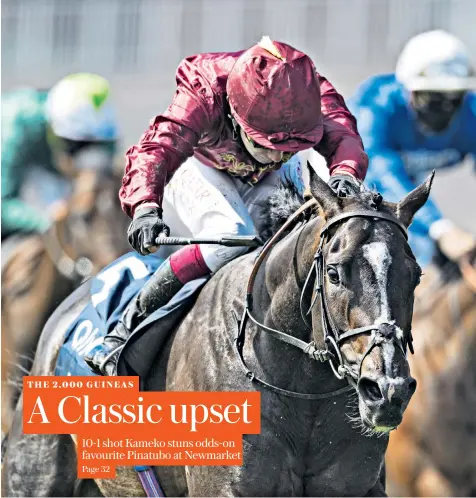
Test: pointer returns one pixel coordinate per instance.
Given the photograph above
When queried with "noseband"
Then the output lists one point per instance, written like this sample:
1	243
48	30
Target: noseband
333	337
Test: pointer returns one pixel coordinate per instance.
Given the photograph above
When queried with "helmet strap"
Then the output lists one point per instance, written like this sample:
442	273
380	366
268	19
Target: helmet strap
236	130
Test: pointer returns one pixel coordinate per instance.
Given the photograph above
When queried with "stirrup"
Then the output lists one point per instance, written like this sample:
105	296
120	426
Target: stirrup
108	358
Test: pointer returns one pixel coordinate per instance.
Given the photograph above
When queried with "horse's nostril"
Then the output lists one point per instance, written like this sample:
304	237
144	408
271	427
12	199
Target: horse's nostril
369	389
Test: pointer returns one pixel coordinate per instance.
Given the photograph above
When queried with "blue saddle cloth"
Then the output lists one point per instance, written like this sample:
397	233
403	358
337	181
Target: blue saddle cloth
111	291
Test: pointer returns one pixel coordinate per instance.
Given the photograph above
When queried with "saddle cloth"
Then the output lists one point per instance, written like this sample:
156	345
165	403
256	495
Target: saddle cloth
111	291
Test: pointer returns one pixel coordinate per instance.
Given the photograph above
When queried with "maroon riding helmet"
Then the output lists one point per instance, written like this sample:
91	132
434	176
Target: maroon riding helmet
274	95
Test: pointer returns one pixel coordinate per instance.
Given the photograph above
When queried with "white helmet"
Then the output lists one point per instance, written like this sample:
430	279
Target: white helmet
79	108
436	61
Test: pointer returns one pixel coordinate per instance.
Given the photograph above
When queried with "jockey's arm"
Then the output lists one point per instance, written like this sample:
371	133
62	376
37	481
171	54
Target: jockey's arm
386	167
19	216
471	126
341	144
16	143
471	155
168	142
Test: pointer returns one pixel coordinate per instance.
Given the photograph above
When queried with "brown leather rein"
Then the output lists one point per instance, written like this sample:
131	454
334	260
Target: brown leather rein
332	336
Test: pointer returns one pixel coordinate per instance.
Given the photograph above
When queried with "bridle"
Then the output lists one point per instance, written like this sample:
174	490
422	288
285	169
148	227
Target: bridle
66	258
333	337
72	267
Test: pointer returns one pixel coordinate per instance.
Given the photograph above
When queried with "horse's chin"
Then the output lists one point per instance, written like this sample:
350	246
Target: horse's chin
380	429
377	427
383	428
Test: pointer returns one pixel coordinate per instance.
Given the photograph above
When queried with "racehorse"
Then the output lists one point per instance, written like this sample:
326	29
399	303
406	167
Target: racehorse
318	321
425	456
39	271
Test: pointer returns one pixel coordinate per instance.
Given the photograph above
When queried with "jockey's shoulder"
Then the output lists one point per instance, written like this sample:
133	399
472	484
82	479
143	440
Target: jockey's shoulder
207	71
470	104
380	91
25	104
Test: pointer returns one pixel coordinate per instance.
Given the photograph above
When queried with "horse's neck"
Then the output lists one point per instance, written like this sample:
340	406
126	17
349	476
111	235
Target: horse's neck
97	215
446	326
286	270
277	294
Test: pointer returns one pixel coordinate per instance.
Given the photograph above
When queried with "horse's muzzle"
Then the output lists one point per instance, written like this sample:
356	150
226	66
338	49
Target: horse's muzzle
384	400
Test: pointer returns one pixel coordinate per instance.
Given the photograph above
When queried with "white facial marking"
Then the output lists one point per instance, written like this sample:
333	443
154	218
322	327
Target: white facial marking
399	332
376	253
388	351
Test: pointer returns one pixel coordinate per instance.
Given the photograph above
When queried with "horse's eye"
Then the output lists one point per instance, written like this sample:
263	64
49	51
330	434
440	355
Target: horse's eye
333	275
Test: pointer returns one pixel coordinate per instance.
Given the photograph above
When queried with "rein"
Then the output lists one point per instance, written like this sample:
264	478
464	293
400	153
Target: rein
332	336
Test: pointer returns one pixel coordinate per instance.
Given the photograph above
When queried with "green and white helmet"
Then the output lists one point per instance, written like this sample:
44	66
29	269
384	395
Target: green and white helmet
436	61
79	108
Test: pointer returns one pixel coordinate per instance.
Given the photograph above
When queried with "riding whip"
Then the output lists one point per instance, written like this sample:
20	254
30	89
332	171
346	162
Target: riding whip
229	241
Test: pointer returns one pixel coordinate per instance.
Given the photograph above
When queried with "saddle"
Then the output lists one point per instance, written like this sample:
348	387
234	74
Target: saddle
111	290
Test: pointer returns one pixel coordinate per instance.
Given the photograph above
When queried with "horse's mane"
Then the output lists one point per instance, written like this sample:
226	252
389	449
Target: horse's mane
287	199
276	209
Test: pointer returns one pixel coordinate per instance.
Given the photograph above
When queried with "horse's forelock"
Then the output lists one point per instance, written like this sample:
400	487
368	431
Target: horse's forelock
287	199
366	199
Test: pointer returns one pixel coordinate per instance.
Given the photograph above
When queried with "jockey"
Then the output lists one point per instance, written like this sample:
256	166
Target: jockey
421	118
235	119
52	133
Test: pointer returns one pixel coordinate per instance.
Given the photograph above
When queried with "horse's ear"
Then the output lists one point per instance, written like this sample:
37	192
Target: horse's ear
412	202
324	195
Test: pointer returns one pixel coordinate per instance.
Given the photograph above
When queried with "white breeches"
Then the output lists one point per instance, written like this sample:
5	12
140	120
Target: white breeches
201	201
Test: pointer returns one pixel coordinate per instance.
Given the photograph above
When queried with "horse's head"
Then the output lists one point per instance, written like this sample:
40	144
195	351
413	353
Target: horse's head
369	276
93	227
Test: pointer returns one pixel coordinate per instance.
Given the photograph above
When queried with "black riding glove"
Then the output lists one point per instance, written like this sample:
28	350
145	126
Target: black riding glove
344	185
146	226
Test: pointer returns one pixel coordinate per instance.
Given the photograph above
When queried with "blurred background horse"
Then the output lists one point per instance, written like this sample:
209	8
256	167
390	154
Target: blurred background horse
39	271
433	453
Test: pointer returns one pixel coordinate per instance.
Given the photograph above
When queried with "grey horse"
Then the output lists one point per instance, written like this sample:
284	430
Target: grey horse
318	438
